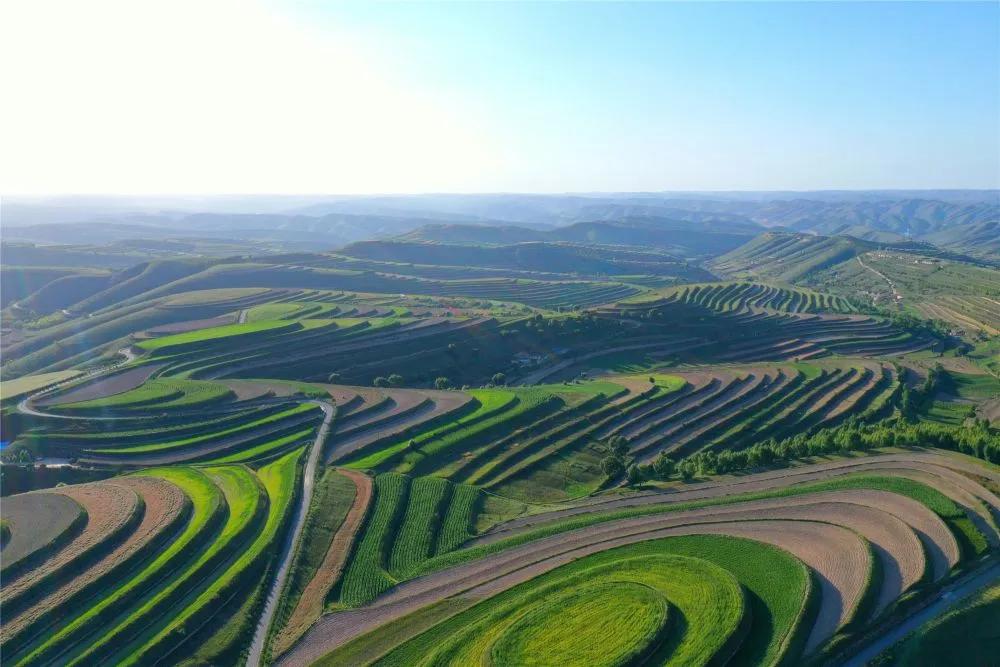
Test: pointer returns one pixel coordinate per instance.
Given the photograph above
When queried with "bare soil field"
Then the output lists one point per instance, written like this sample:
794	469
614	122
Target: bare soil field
38	520
104	386
110	508
310	604
164	506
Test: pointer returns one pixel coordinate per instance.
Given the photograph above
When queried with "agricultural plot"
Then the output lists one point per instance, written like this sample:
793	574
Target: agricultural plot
198	536
445	469
546	443
730	297
789	563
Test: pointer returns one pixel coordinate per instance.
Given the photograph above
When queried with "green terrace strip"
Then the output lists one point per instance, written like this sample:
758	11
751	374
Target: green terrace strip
709	599
267	449
270	419
160	433
180	342
503	411
457	527
936	501
209	510
633	616
488	403
964	636
414	542
246	504
366	576
158	394
279	482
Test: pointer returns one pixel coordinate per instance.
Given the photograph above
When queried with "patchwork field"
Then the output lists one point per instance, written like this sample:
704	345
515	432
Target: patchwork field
259	465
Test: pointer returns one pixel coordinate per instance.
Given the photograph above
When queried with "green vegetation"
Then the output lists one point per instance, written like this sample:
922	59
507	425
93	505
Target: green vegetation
414	542
246	426
920	492
177	342
708	598
632	618
278	480
333	498
367	575
11	389
244	499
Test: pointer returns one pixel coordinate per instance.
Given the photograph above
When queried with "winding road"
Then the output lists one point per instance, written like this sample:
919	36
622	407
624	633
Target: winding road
951	598
288	552
896	296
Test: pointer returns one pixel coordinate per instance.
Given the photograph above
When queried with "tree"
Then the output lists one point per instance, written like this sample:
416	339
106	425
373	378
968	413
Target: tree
499	379
652	380
442	383
634	475
612	466
395	379
333	378
664	466
618	445
380	382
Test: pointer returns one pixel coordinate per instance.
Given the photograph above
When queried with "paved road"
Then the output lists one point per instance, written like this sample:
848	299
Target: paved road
243	316
947	600
25	405
298	522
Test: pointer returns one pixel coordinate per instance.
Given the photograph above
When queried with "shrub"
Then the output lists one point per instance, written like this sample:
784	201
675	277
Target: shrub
612	465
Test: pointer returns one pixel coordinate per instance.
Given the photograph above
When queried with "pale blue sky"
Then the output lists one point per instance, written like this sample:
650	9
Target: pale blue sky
411	97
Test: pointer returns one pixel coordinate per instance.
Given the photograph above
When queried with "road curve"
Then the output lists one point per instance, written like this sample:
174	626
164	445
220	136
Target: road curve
945	602
287	553
25	405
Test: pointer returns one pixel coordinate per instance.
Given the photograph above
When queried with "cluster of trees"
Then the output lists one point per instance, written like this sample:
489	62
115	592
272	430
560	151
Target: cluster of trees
977	439
394	380
578	325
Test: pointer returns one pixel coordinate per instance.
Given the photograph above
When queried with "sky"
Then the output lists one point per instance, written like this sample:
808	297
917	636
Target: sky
248	96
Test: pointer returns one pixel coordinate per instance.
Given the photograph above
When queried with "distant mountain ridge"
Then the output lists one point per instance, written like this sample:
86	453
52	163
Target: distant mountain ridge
686	239
960	220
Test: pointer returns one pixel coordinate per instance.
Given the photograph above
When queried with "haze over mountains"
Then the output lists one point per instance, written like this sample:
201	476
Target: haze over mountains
690	224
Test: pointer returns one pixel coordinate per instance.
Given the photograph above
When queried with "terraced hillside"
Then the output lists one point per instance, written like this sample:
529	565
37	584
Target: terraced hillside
730	297
162	552
714	473
764	569
917	279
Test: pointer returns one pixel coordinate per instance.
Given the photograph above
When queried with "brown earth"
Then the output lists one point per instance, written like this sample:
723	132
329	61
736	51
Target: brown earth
310	604
164	504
